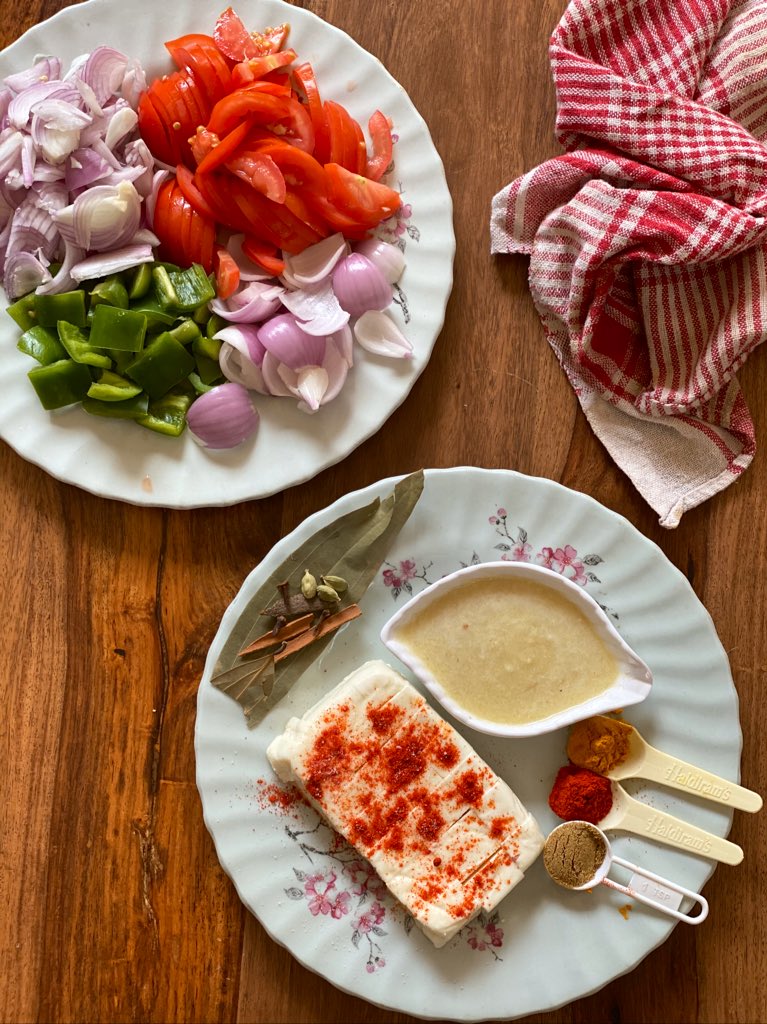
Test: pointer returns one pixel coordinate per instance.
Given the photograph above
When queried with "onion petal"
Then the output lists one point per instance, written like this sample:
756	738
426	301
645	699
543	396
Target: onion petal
377	333
112	262
317	261
318	309
284	337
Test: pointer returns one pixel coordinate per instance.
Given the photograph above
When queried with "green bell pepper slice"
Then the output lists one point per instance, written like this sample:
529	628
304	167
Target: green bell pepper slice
130	409
68	306
140	281
163	363
215	324
110	292
155	315
186	331
23	312
183	290
111	387
42	344
168	414
61	383
79	347
118	329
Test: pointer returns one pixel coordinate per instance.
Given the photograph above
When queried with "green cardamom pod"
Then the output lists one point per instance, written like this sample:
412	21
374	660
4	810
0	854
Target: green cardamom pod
336	582
308	585
328	594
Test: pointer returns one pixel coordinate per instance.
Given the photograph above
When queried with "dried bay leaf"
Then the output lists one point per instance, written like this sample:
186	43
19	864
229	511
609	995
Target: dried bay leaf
353	547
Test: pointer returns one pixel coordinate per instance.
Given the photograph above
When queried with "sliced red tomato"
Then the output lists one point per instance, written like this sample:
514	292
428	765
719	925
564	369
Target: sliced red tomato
272	222
181	108
263	255
298	168
227	273
153	131
260	171
344	138
192	194
247	103
202	57
360	152
234	40
304	75
253	68
336	219
299	202
364	201
379	128
216	190
222	150
185	236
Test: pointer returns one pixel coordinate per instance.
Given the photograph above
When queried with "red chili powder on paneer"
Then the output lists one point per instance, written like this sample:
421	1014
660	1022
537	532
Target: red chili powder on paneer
378	785
470	788
384	718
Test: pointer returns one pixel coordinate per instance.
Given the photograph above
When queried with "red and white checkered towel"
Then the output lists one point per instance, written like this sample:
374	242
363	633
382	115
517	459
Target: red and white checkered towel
648	239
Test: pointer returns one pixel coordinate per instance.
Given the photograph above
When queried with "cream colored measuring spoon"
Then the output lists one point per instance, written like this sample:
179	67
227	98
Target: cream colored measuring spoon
630	815
655	891
646	762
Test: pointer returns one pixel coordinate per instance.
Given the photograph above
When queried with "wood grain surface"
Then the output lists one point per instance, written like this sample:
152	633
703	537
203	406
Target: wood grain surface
113	905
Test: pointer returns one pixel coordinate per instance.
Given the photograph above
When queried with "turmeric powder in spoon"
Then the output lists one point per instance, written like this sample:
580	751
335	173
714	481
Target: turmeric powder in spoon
599	743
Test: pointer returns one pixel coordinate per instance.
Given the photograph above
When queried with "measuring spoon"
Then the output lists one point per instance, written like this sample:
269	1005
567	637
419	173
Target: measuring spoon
646	762
630	815
656	894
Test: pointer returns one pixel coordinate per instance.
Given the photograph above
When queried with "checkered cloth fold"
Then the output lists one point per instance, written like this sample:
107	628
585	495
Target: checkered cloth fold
648	239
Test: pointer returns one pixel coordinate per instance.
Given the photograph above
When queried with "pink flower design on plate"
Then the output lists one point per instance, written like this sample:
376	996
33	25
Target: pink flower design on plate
364	879
320	888
400	576
370	919
521	552
375	964
564	561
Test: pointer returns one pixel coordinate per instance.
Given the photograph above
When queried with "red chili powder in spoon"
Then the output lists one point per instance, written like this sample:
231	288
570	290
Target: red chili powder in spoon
580	795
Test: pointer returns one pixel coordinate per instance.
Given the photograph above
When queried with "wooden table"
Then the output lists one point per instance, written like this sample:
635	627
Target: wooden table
114	905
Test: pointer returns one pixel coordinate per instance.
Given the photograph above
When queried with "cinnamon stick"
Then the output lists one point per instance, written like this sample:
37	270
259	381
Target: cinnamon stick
286	632
323	627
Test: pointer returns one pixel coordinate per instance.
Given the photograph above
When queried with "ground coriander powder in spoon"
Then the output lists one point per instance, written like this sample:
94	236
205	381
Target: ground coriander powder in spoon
573	853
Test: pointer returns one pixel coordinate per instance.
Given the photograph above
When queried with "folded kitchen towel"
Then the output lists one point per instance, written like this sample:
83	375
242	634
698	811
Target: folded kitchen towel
648	239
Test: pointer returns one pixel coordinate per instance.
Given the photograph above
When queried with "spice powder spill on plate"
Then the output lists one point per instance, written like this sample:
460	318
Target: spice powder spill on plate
445	834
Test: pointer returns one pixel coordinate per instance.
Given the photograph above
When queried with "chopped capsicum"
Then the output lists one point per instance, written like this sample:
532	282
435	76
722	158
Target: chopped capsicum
79	347
23	312
111	292
118	329
111	387
186	331
130	409
61	383
42	344
163	363
68	306
140	282
167	415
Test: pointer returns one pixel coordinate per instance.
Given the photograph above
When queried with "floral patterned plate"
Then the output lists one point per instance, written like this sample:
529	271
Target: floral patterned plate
119	460
318	898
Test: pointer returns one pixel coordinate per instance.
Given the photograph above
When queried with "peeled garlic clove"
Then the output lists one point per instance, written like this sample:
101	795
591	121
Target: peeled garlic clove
377	333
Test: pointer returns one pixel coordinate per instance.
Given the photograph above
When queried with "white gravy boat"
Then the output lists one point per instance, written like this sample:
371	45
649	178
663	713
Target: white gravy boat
631	685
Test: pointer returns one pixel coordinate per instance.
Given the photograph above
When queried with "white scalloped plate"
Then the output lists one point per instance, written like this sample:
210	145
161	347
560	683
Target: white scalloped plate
313	898
118	460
